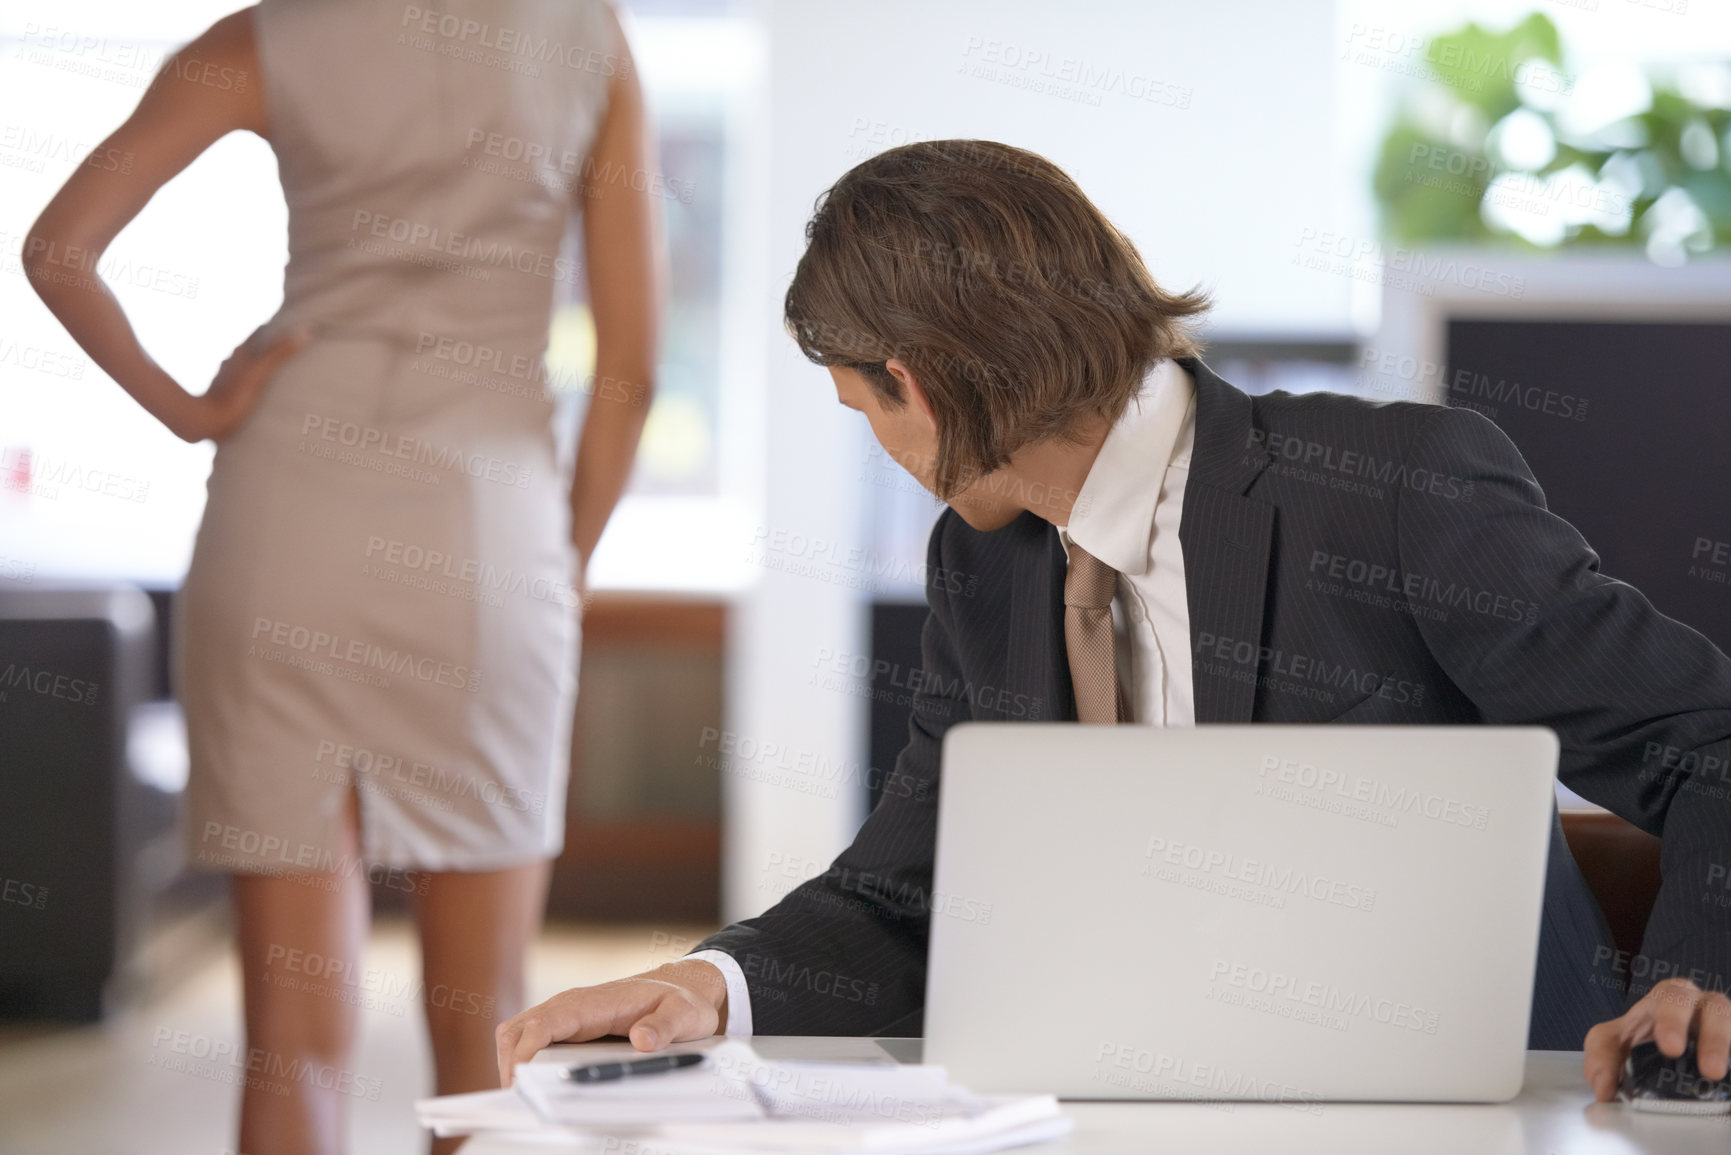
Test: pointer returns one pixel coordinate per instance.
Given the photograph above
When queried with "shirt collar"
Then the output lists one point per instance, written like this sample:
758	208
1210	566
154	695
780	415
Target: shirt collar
1113	518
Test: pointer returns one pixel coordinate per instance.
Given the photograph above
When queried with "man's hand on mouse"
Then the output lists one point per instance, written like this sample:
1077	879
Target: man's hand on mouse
670	1004
1668	1015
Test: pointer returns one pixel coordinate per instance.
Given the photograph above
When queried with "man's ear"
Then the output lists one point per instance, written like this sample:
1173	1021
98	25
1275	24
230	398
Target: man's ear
905	377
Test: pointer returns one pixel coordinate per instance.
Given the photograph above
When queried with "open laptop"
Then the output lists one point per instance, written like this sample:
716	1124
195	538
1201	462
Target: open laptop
1291	913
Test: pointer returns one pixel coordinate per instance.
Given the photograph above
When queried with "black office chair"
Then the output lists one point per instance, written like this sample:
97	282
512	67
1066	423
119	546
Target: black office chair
1620	862
73	818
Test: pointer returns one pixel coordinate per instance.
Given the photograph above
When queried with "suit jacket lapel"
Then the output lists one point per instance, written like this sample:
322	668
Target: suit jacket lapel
1227	540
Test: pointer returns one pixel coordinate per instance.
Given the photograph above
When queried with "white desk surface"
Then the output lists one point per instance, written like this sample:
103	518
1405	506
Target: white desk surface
1554	1115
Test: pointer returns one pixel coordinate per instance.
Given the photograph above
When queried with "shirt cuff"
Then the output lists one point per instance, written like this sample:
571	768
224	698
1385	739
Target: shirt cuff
738	994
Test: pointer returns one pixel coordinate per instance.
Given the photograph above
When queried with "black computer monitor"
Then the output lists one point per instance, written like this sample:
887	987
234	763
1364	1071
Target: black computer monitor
1627	426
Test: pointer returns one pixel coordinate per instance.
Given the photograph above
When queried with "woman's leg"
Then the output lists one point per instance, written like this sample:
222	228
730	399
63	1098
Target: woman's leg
299	937
476	929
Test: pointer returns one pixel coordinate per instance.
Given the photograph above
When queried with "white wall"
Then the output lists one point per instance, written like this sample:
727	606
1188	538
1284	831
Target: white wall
1215	178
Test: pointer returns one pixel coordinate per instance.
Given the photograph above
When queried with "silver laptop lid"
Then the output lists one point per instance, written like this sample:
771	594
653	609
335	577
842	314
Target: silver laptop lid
1305	913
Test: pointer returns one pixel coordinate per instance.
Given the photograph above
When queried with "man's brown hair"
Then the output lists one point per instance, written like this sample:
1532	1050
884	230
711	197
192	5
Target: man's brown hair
1019	307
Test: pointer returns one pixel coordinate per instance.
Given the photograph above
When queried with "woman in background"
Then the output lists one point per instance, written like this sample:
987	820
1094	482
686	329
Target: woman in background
376	641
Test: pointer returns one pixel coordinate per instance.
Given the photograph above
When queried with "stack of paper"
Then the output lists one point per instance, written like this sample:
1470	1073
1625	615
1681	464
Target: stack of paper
735	1101
709	1093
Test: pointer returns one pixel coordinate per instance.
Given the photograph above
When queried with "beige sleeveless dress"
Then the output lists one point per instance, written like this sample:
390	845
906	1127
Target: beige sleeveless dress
380	599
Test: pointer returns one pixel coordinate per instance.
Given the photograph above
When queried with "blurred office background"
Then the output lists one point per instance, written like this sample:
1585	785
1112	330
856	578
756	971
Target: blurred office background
1522	207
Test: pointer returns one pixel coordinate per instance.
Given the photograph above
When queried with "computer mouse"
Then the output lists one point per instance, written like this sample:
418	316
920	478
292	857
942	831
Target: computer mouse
1654	1081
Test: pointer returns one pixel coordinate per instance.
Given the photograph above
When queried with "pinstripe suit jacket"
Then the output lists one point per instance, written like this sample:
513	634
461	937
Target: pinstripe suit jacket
1345	562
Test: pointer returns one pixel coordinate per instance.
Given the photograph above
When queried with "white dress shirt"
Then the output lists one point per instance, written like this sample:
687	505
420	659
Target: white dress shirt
1127	515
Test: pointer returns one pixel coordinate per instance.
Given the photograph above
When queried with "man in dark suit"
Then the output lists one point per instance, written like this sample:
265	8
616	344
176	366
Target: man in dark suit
1142	542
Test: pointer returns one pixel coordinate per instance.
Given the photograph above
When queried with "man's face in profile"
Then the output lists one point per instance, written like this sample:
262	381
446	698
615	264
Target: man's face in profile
909	435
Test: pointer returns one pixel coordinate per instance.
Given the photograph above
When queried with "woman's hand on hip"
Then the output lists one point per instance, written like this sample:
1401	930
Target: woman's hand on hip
238	384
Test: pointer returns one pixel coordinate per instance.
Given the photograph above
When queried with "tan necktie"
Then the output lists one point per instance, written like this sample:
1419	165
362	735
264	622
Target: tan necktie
1088	590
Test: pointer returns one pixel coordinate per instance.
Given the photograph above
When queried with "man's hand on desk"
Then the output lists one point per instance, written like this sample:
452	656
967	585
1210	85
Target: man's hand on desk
670	1004
1665	1016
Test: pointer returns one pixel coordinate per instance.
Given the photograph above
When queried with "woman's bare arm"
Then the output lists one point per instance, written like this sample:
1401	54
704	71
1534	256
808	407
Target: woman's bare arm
205	91
620	238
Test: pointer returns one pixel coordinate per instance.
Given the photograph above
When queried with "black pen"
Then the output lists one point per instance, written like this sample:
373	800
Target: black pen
607	1072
